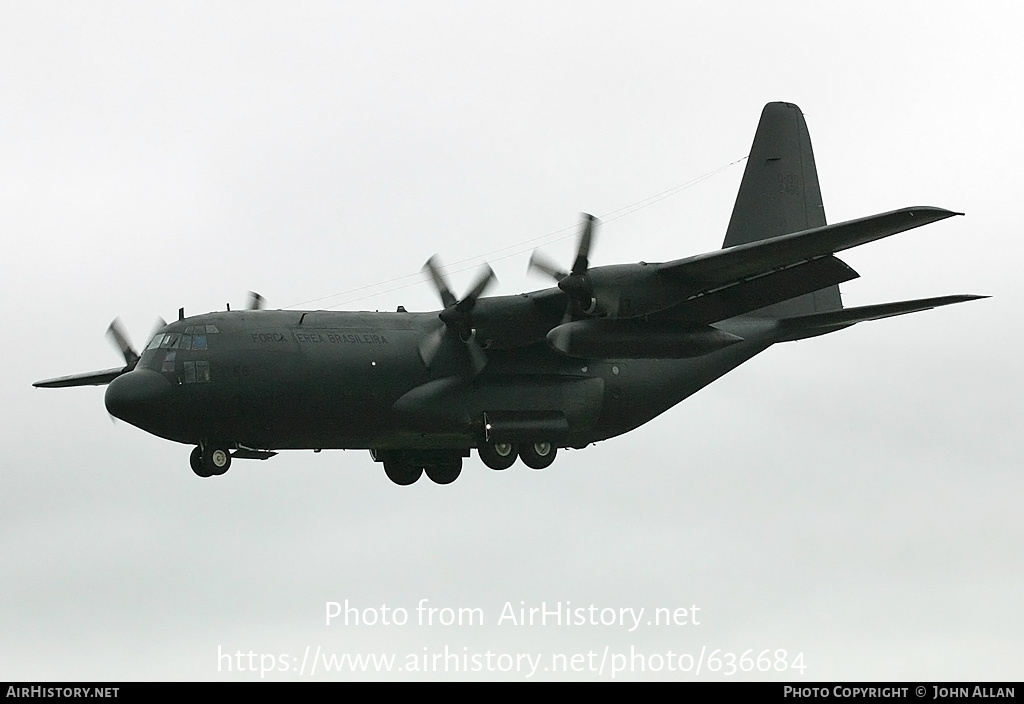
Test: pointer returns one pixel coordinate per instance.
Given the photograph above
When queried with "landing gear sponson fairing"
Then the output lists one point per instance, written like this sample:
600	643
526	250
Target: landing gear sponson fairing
516	377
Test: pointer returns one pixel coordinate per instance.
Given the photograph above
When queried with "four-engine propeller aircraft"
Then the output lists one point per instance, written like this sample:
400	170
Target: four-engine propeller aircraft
603	352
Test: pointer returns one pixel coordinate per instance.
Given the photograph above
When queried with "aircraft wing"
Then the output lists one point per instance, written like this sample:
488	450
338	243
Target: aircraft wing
802	326
88	379
735	264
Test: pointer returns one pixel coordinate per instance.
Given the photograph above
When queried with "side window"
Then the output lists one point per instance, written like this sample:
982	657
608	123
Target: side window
196	372
168	365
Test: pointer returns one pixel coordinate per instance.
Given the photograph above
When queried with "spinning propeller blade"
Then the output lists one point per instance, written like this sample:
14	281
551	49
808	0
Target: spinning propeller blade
579	266
119	336
256	301
538	262
432	268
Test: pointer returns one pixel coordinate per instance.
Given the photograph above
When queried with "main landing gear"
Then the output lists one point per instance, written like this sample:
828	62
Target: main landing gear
502	455
498	455
405	469
538	455
444	472
402	472
211	461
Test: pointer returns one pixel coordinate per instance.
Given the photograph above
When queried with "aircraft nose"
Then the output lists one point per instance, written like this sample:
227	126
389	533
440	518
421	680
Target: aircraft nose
136	397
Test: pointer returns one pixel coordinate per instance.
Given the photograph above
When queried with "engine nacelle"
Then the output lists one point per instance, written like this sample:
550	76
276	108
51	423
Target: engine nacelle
637	339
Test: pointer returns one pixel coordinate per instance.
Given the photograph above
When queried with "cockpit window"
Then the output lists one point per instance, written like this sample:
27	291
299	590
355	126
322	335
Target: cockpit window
194	338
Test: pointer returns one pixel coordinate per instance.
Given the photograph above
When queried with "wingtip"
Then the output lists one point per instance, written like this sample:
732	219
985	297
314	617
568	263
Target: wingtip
931	210
959	298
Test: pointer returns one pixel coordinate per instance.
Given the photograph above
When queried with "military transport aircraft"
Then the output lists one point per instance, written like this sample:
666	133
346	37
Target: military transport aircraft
601	353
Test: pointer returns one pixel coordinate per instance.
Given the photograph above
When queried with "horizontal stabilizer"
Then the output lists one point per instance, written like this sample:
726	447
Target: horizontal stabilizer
804	326
742	261
88	379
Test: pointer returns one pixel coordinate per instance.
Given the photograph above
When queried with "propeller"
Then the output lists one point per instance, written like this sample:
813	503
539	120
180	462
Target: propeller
119	336
575	283
457	332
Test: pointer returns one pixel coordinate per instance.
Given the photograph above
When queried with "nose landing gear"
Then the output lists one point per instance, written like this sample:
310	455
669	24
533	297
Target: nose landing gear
211	461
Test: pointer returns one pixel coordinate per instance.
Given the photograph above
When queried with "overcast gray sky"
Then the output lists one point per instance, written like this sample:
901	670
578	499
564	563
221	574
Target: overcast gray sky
854	498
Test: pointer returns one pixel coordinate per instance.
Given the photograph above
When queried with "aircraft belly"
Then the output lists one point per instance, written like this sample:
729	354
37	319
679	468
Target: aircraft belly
644	389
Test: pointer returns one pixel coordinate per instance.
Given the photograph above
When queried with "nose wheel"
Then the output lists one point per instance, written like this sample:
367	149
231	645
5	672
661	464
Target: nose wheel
211	461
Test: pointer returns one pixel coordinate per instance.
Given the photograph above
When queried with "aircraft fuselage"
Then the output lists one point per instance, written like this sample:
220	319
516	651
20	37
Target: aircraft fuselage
348	380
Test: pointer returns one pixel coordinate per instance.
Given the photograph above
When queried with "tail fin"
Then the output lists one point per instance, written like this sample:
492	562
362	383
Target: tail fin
779	194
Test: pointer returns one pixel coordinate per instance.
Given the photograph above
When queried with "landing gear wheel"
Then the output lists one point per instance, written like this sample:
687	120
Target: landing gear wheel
402	473
215	461
537	455
445	472
498	455
196	462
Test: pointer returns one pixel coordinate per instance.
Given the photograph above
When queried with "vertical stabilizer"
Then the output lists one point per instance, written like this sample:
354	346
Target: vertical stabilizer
779	194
